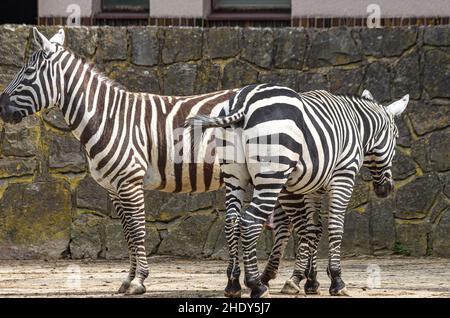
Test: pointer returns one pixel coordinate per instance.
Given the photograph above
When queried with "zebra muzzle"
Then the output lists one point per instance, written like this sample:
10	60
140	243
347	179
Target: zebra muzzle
382	190
8	115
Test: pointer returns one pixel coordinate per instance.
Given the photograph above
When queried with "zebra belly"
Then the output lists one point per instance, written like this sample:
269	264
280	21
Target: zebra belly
301	181
153	180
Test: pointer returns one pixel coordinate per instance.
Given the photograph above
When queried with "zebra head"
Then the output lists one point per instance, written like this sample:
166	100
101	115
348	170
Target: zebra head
379	156
34	87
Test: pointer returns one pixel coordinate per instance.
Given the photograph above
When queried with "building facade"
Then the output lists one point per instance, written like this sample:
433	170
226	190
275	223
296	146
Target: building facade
307	13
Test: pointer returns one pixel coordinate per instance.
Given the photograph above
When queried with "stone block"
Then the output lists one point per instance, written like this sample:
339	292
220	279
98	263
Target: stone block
179	79
187	237
407	77
182	45
308	81
414	199
285	78
437	36
113	44
436	73
14	41
35	220
65	153
413	238
257	46
345	82
378	81
222	42
387	42
290	48
381	212
21	140
90	195
145	45
238	74
136	79
82	40
332	47
87	236
208	77
17	167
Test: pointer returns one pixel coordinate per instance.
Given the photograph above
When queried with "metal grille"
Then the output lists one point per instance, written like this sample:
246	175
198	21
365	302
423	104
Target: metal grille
125	19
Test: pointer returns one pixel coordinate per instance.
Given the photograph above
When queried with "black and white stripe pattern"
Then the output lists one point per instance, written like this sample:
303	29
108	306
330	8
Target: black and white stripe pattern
315	142
132	140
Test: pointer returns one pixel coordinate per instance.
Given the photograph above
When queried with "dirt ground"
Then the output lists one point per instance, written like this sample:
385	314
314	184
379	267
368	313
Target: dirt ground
177	277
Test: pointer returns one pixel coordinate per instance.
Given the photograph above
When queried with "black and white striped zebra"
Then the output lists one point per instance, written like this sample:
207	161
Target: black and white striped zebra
308	227
314	142
132	140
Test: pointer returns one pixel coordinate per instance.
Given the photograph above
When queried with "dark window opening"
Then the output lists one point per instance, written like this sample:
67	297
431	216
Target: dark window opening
125	5
123	12
251	5
250	10
18	11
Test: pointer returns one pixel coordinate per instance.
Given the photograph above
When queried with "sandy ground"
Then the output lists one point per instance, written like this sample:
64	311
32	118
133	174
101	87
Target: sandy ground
177	277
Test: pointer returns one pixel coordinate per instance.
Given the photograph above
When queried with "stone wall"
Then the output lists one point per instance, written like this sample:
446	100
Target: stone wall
50	207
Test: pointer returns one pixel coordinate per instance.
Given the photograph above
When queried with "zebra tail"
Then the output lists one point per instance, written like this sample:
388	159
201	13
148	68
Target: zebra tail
222	121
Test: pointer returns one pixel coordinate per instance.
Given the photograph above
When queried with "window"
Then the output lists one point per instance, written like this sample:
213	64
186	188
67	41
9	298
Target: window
18	11
272	13
123	12
125	5
246	5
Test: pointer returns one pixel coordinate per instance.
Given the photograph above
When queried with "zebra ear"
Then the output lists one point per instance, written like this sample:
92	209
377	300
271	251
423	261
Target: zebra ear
367	95
59	37
397	107
43	42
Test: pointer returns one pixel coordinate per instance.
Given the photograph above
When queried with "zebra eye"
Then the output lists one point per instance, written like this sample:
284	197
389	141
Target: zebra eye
30	70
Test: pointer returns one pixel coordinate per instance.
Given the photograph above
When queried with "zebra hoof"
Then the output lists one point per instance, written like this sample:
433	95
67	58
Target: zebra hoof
233	288
261	291
312	287
124	287
341	292
136	289
265	279
290	288
337	287
233	294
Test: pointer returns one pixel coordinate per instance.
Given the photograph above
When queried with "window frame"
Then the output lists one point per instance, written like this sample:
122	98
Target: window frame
124	9
253	14
275	9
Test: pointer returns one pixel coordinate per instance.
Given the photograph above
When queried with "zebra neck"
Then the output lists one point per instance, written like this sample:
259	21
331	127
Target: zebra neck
95	108
371	121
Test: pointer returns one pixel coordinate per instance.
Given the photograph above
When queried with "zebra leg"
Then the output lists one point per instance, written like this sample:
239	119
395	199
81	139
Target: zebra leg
339	198
314	230
132	202
292	285
234	200
312	284
132	272
282	230
262	205
294	206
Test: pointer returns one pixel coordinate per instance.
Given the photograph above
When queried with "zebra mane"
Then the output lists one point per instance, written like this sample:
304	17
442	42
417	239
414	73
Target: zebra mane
94	68
358	97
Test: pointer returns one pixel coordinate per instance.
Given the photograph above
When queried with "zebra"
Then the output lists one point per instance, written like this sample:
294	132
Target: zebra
308	226
316	142
131	140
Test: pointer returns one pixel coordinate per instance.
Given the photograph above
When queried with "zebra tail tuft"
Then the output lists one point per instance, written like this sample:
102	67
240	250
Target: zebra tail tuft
207	121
